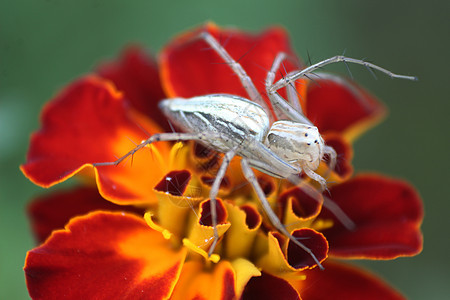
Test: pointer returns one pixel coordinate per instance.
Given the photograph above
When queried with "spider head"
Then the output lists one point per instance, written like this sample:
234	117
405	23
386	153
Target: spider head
295	142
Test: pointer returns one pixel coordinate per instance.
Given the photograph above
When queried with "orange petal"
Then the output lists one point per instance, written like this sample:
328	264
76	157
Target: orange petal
89	122
104	256
202	232
196	282
299	207
245	222
285	258
174	206
244	270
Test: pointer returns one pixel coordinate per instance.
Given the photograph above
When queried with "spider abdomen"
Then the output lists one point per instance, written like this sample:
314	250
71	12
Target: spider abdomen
230	119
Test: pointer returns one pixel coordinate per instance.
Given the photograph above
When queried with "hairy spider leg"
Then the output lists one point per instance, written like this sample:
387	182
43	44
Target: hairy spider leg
280	105
158	137
335	59
293	98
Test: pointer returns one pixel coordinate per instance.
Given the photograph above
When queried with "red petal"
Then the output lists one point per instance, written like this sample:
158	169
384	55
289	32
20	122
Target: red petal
104	256
53	211
299	258
136	74
336	105
340	281
191	68
387	214
268	287
90	123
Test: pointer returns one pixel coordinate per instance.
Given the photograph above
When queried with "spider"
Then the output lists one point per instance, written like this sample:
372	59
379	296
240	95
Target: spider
237	126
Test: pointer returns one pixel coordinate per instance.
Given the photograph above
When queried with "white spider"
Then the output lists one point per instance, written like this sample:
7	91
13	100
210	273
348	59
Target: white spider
240	127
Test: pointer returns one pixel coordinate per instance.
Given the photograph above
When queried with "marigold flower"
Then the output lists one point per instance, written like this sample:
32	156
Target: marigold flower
143	229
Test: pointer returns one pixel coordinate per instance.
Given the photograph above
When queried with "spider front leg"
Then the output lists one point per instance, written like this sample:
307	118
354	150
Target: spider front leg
250	176
313	175
291	78
293	110
290	89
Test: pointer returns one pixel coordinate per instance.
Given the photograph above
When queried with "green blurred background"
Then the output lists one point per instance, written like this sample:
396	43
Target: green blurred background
46	44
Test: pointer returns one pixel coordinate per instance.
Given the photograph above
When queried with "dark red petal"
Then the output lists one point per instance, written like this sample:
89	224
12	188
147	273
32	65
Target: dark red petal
252	217
299	258
387	214
104	256
87	123
267	184
340	281
136	74
304	204
268	287
334	104
205	213
191	68
174	183
53	211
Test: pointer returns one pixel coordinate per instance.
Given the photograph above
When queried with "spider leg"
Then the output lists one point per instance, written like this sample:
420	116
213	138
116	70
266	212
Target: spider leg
313	175
250	176
338	58
290	89
246	81
281	107
173	136
293	97
213	193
